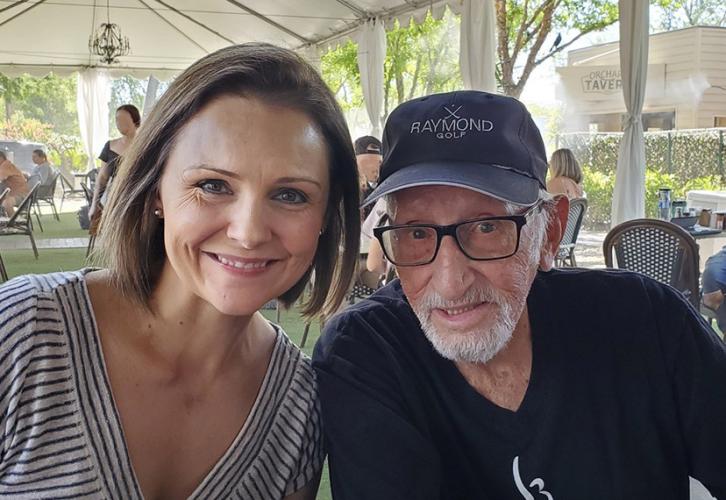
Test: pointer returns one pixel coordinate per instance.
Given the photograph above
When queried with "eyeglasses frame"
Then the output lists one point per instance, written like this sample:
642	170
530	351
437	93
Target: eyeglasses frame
450	230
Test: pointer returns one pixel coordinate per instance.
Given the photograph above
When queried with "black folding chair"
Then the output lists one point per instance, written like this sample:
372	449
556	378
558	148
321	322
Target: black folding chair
46	194
20	222
69	189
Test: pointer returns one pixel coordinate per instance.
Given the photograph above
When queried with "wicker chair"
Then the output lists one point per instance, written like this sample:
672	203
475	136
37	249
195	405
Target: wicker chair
659	249
566	254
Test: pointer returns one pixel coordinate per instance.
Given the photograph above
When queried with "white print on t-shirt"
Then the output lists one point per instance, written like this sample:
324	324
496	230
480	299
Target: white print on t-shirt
536	482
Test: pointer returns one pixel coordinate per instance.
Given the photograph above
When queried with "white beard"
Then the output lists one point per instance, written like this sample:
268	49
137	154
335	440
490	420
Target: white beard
480	344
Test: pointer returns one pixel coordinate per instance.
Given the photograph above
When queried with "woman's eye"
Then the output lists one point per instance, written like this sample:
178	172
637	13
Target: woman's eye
214	186
291	196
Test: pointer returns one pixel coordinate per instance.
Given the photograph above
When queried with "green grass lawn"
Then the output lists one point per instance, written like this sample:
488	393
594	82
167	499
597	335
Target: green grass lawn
19	262
67	227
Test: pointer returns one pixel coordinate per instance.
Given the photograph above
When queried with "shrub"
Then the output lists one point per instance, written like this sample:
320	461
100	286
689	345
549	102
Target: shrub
599	189
687	154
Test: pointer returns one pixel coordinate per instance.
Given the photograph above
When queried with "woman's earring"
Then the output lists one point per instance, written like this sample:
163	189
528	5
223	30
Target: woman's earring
159	213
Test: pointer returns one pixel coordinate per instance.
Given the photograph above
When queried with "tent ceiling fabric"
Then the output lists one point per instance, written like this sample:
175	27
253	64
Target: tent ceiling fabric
38	36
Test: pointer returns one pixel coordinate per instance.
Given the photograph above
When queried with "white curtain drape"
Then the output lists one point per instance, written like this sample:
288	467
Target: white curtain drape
629	195
371	55
477	55
152	86
92	98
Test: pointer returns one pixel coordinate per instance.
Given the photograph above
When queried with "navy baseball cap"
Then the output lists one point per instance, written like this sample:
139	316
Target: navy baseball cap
476	140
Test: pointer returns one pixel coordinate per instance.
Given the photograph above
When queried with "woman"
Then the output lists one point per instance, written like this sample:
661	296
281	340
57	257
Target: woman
11	177
157	377
565	175
128	120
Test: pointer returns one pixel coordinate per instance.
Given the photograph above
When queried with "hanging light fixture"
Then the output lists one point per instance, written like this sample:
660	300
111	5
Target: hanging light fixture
108	42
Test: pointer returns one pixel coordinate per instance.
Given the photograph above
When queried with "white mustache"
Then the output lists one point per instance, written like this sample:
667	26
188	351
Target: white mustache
433	300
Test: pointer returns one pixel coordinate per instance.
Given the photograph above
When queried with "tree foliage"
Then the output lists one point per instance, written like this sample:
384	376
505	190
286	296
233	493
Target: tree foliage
420	59
50	99
125	90
524	29
676	14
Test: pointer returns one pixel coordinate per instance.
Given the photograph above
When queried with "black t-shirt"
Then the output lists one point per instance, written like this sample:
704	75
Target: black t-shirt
627	398
110	157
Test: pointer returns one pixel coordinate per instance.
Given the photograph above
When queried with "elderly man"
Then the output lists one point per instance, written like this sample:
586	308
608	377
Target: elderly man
485	374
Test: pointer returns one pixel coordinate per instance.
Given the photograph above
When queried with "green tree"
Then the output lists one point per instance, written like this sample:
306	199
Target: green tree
420	59
13	91
125	90
524	26
676	14
50	99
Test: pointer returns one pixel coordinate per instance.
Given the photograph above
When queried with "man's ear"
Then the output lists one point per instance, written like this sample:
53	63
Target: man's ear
555	230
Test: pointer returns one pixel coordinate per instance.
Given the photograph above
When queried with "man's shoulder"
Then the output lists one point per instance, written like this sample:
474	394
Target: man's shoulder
383	317
604	291
598	281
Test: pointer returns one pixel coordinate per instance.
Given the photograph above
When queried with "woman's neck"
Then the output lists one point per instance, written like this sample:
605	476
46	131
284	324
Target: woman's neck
191	332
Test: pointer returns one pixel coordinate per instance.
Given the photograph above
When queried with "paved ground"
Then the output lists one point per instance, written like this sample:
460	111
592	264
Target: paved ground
589	249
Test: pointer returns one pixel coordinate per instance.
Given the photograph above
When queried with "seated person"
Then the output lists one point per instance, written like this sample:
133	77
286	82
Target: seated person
565	175
484	373
368	158
375	261
714	286
42	171
11	177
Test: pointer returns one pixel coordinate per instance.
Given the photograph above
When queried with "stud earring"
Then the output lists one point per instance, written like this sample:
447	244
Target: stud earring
158	212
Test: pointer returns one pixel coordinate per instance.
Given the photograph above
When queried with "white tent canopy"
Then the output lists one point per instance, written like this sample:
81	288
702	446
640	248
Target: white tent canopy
38	36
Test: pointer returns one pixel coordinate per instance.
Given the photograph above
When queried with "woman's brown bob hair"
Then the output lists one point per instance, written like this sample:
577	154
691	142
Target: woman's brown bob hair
132	237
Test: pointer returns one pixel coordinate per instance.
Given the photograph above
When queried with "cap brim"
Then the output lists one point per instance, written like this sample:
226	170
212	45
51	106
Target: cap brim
496	181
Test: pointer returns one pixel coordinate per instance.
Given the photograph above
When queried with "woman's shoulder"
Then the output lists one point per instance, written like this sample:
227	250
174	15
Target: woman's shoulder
564	185
31	287
294	420
290	367
31	315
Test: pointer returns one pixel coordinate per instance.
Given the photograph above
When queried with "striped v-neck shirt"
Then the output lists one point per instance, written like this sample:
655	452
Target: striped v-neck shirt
60	431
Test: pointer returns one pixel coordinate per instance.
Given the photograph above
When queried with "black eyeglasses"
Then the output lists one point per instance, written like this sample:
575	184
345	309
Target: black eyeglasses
488	238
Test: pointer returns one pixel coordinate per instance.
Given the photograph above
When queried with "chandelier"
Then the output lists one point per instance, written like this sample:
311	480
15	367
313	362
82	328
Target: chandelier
108	42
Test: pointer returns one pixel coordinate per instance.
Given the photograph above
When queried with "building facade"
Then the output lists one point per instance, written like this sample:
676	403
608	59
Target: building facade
686	85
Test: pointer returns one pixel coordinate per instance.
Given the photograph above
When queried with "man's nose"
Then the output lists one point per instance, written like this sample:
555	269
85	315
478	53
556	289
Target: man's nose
452	275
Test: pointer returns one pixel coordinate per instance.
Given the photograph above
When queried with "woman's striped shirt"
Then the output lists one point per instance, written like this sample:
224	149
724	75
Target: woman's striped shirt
60	432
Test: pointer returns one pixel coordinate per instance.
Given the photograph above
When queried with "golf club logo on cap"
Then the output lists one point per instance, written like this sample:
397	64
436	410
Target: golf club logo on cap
451	126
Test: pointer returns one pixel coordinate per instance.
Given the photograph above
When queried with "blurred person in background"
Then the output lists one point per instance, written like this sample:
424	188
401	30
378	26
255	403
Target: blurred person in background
565	175
11	177
128	120
42	171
